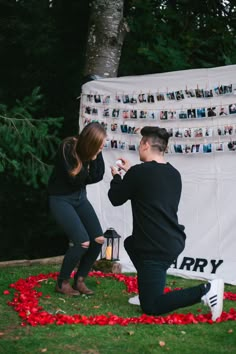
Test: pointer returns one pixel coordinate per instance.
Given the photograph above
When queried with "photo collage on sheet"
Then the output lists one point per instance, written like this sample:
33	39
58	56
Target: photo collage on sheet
123	115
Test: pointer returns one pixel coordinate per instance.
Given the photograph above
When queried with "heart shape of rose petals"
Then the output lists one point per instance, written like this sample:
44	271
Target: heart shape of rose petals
26	303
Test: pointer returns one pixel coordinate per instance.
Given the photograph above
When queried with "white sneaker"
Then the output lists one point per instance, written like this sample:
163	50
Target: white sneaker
134	300
214	298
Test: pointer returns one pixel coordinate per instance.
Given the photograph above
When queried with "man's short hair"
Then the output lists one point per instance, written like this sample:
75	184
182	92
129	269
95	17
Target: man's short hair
157	137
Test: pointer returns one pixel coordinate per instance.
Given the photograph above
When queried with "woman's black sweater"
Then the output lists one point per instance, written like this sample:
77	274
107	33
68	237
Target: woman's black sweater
62	183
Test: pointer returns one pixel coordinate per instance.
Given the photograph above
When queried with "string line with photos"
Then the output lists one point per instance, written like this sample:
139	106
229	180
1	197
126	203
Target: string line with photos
168	95
192	129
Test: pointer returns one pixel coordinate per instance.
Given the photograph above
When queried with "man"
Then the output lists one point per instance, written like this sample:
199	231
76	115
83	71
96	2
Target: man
154	189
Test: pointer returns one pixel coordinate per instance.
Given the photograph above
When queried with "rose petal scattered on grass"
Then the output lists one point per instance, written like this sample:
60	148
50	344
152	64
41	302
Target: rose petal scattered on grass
162	343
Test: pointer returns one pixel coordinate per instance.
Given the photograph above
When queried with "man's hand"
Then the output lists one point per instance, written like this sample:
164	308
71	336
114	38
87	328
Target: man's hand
125	165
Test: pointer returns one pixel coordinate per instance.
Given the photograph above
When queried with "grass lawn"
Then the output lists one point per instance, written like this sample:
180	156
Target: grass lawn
111	297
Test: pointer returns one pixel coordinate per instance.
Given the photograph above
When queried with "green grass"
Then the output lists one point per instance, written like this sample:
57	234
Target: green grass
111	296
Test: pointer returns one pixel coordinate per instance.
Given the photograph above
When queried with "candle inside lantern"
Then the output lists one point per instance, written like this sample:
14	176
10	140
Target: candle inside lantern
108	252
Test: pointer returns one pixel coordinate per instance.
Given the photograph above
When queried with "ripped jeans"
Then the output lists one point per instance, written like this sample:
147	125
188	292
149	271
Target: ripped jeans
76	216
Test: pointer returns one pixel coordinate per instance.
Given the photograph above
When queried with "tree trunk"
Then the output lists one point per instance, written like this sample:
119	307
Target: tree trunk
105	38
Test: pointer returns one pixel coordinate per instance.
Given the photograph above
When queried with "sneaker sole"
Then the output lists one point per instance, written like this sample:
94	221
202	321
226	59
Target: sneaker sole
220	298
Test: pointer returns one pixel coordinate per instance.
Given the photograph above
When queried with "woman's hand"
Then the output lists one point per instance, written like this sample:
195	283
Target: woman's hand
115	171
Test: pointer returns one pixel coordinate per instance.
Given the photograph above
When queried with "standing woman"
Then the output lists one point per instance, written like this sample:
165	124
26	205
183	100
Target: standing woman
78	162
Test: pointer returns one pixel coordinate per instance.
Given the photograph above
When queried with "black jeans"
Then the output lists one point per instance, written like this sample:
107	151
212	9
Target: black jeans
151	276
76	216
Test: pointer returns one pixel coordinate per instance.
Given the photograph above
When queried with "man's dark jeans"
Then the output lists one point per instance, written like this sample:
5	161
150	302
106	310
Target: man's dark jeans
151	274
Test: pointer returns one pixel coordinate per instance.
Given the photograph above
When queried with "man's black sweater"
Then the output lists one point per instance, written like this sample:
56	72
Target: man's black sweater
154	190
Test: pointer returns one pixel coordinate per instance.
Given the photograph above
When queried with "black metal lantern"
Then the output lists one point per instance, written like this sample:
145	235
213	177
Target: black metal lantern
111	247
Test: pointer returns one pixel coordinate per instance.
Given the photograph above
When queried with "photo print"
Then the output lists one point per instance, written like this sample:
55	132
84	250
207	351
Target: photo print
163	115
195	148
121	144
88	110
170	95
170	132
124	128
207	132
232	108
211	111
178	149
143	114
118	98
201	112
182	114
114	127
133	114
125	99
115	113
125	114
152	115
97	99
198	133
191	113
106	112
199	93
178	133
187	133
133	99
219	147
94	111
142	97
114	144
104	124
190	93
160	97
106	99
132	147
150	98
179	95
231	145
171	115
208	93
89	98
186	148
227	89
207	148
222	110
107	144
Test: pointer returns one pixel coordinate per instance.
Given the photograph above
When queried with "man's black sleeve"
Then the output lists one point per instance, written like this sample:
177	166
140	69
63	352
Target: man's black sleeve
121	190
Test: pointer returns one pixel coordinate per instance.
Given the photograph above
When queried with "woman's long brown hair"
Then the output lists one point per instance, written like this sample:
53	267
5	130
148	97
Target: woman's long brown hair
85	145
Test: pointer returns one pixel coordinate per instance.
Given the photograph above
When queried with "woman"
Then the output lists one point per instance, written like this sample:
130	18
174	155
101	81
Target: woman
79	162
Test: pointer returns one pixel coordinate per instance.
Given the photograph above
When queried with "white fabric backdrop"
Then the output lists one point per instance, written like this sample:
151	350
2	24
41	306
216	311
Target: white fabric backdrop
207	205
